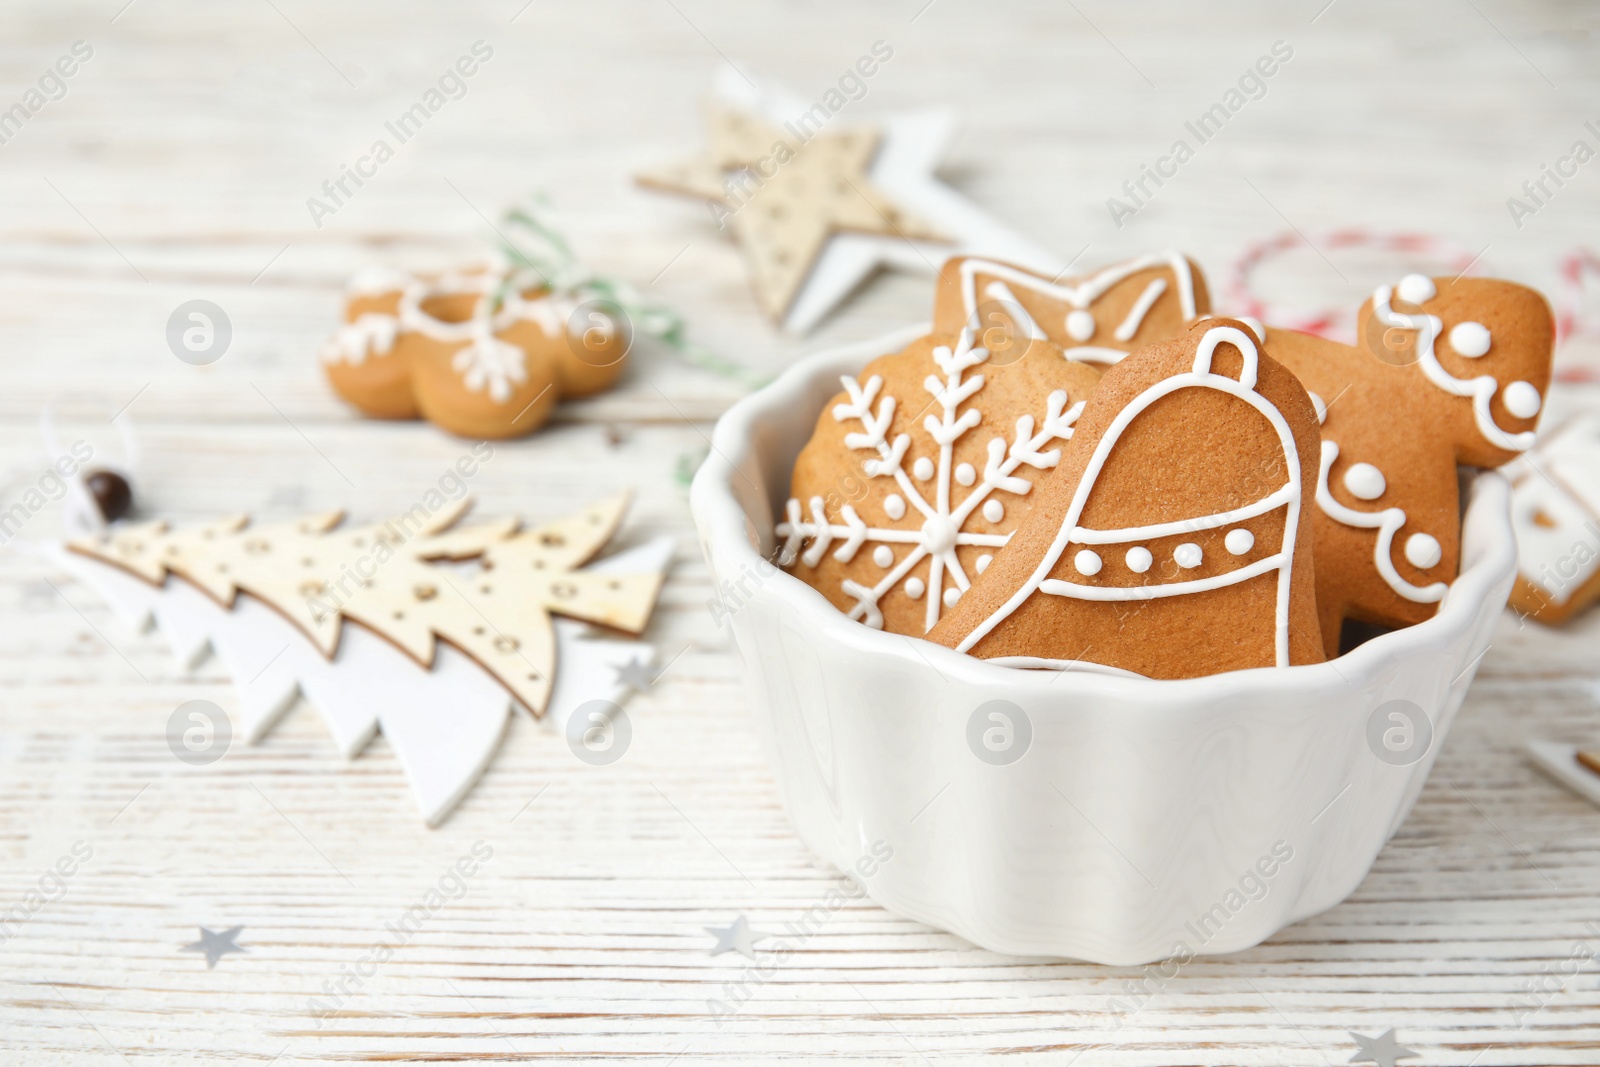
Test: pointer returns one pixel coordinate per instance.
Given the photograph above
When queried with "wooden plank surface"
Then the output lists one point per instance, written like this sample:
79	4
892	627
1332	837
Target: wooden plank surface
177	166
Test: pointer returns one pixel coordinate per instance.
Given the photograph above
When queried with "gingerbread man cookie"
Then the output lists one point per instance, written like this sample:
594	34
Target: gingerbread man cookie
1449	372
1095	318
918	472
1555	510
481	354
1175	538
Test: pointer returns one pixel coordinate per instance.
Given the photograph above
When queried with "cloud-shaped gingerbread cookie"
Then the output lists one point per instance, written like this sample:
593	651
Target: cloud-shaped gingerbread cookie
1095	318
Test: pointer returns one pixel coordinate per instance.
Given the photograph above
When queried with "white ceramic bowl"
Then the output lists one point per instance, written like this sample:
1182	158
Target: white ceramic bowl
1145	819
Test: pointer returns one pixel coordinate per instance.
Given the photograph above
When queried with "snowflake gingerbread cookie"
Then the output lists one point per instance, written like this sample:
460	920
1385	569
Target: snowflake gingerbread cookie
919	471
1095	318
1174	540
486	353
1448	372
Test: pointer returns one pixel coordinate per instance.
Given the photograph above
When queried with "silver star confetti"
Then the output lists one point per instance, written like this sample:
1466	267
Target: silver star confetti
736	938
216	945
1382	1050
636	675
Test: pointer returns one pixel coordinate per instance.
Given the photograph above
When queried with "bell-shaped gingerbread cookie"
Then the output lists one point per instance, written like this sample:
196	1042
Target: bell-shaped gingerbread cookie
1446	372
1174	540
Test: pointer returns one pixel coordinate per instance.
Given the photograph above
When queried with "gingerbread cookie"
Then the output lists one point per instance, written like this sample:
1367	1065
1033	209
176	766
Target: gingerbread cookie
1555	510
1448	372
1096	318
361	360
1175	538
918	472
481	354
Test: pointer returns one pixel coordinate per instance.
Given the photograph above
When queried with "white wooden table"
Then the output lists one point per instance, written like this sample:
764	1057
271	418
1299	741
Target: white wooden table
177	166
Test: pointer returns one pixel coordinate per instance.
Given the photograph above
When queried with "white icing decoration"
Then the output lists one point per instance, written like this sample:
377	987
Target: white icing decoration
371	334
883	556
1080	324
923	469
1559	553
937	525
1287	497
993	510
1423	551
1522	400
1387	522
965	474
1082	295
490	364
1416	289
1470	339
983	562
1087	562
1365	481
997	291
1239	541
894	506
1141	308
1255	325
951	595
1321	407
1480	389
1188	555
1139	559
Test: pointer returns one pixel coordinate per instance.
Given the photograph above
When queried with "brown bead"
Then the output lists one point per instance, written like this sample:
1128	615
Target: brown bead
111	492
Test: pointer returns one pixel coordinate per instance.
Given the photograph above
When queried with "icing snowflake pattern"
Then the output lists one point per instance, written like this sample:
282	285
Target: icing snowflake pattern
370	334
492	364
936	527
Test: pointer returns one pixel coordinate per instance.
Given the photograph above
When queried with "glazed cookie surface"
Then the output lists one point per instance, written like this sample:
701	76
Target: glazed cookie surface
1447	373
1174	540
918	472
1095	318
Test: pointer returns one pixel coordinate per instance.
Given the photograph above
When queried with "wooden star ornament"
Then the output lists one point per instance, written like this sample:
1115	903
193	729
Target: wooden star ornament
785	196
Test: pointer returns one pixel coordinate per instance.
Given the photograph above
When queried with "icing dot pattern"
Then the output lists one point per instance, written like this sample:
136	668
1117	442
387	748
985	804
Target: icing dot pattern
1239	541
1365	481
1470	339
1087	562
1416	289
1188	555
1080	325
1139	559
1423	551
1523	400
